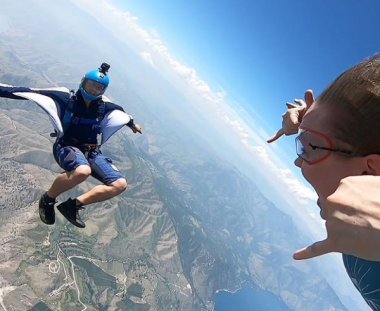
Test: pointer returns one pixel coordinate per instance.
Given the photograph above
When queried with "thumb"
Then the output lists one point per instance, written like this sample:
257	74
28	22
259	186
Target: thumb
314	250
309	98
279	133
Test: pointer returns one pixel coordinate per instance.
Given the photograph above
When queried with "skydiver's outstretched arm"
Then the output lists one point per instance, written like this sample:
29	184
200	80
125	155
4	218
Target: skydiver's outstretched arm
136	128
8	91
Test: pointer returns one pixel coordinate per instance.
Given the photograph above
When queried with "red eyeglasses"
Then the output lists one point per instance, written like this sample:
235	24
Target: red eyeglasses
314	147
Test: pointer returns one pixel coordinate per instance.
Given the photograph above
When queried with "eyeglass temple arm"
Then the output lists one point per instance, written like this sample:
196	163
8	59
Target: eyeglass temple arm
329	149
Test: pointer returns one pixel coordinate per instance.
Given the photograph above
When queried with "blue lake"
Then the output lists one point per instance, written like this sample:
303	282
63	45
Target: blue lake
248	299
39	307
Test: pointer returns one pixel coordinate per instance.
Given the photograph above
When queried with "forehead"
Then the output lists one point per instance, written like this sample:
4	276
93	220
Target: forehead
92	82
317	118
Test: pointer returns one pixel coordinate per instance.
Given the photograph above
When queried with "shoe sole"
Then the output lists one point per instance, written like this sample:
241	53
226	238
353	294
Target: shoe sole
73	222
44	221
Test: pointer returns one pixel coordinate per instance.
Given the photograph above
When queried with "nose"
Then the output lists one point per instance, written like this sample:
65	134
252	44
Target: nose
298	162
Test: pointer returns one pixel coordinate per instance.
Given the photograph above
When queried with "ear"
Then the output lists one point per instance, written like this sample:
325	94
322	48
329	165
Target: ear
372	163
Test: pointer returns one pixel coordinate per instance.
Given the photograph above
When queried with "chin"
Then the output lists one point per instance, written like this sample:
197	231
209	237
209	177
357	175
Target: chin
320	207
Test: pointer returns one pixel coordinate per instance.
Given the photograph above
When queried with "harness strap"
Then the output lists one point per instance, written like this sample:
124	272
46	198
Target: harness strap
85	148
85	121
99	119
69	112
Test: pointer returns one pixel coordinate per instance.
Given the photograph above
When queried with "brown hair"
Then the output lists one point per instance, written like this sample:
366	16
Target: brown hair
354	99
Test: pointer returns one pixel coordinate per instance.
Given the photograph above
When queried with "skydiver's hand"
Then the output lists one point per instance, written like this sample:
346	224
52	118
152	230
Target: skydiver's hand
137	129
352	216
292	118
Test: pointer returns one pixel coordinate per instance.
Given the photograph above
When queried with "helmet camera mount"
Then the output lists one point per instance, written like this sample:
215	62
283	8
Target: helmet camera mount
104	67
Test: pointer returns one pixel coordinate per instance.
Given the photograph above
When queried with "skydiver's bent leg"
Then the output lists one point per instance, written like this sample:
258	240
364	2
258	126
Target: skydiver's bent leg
113	184
68	180
77	169
103	192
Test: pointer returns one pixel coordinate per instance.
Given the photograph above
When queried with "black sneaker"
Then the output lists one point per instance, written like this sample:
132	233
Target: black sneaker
71	212
46	211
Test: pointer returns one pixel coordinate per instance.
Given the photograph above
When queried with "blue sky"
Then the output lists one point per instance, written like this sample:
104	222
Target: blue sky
287	46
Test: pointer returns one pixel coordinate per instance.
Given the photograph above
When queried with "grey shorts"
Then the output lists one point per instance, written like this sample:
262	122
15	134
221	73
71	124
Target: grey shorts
102	169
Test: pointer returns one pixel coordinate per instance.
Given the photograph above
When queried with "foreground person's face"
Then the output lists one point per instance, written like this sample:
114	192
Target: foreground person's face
325	168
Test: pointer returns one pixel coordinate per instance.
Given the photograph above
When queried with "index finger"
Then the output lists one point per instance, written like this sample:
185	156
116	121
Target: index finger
314	250
276	136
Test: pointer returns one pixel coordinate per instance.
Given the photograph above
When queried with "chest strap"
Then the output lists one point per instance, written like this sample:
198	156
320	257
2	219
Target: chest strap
69	117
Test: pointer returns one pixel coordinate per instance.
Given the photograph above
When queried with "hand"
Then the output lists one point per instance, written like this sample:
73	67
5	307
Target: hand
137	129
352	220
292	118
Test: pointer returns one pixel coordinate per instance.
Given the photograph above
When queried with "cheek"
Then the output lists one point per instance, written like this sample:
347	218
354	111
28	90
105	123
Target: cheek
311	174
326	175
323	178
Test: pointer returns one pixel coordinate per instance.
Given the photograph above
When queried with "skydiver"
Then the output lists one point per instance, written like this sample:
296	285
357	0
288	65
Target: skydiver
83	121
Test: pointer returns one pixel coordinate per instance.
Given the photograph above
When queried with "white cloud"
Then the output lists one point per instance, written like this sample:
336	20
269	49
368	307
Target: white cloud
235	124
148	58
302	193
123	22
221	95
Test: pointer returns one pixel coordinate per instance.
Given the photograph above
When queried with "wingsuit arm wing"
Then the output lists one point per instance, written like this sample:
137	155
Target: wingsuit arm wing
112	122
8	91
48	105
52	100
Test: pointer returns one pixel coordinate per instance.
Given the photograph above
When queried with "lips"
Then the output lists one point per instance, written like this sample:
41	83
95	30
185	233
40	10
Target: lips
321	212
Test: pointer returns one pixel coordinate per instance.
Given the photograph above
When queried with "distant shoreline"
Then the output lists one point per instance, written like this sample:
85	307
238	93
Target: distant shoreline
245	283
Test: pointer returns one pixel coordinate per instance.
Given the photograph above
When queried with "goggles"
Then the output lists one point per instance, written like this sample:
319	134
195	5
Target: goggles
93	88
314	147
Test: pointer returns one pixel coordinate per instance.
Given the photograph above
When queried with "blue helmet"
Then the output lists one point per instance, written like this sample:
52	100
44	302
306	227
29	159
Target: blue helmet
95	82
